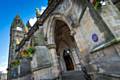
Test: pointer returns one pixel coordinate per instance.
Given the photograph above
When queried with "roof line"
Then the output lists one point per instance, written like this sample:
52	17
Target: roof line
51	7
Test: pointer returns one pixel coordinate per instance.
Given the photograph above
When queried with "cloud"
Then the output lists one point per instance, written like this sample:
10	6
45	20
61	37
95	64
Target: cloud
32	21
3	63
3	68
42	9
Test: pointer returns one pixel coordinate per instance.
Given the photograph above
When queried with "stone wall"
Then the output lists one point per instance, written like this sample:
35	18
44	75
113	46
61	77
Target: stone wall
25	67
3	76
111	16
118	5
41	63
41	57
43	74
89	29
26	77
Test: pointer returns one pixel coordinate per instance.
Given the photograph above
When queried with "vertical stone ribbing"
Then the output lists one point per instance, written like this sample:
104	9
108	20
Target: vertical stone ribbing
55	68
103	27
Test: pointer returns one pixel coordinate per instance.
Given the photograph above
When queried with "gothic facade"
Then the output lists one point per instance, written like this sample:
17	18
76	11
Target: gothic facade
73	40
16	35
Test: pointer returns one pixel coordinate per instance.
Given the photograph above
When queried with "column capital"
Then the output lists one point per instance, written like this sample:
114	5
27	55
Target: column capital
72	33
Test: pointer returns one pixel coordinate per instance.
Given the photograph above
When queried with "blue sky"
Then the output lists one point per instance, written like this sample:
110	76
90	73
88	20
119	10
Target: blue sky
8	10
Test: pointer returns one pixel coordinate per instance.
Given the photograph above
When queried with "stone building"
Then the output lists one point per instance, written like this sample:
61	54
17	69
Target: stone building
3	76
16	35
74	40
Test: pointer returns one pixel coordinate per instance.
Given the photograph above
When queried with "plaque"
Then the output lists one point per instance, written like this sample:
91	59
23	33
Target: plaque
95	37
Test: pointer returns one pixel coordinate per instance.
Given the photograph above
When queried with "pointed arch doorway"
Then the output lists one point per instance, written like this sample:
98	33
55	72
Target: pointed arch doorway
65	44
68	60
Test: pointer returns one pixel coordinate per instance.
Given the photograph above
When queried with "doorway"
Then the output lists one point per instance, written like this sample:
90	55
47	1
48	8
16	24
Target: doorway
68	60
64	45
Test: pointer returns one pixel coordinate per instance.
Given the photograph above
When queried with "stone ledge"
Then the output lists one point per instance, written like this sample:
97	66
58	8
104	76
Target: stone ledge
50	46
110	75
105	45
41	67
21	75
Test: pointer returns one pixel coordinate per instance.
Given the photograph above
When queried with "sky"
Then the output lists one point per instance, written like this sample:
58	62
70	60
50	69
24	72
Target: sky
8	10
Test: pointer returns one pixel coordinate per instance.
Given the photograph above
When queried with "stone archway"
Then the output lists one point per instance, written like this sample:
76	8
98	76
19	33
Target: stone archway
65	45
58	35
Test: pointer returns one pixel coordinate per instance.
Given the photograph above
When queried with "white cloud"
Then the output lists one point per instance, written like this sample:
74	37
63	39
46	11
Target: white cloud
42	9
32	21
3	68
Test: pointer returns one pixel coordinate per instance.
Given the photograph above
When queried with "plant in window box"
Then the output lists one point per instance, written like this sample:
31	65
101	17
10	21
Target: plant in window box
30	52
15	63
27	53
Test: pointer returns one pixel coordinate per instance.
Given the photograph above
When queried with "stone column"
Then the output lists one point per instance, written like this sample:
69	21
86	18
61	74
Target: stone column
55	65
18	72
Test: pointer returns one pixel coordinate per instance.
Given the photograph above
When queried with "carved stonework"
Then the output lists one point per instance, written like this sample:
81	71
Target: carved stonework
72	32
50	46
49	1
38	14
39	39
73	21
41	58
64	7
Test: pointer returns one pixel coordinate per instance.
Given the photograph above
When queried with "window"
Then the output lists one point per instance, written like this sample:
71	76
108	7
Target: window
19	28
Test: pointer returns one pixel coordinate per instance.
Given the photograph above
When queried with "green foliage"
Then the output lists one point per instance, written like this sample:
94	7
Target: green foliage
27	53
31	50
97	5
15	63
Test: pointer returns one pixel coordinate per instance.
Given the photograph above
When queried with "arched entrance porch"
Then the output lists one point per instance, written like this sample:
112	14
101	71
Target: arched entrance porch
63	48
65	45
66	51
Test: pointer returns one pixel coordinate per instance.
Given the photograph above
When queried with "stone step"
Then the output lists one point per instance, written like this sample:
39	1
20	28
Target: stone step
73	75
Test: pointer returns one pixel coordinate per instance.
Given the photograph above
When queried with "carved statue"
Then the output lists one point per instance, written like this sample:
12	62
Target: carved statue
37	12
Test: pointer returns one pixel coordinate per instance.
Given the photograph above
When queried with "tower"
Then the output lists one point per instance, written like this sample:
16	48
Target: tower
16	35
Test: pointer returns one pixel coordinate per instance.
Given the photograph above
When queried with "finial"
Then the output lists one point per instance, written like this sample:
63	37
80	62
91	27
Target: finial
37	12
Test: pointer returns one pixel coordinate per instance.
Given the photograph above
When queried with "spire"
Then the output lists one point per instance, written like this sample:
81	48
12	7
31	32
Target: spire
17	17
17	21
